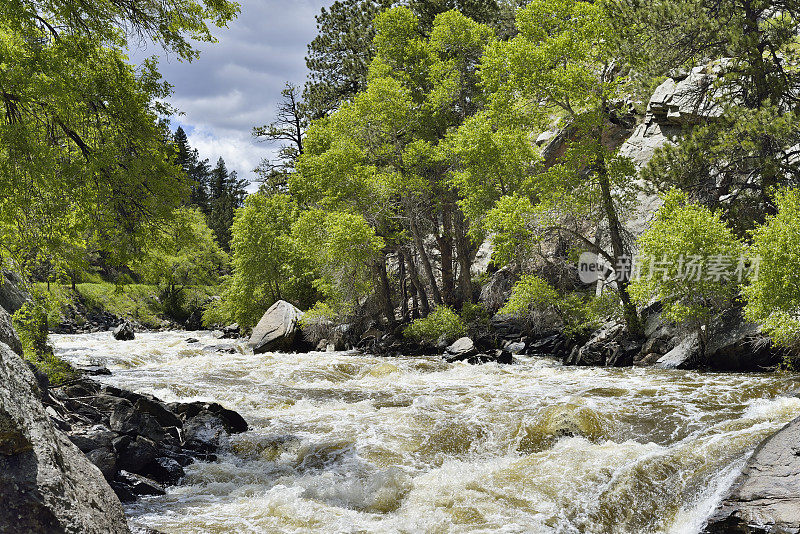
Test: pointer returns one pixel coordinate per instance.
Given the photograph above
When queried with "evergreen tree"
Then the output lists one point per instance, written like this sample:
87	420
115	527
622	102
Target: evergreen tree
195	170
227	193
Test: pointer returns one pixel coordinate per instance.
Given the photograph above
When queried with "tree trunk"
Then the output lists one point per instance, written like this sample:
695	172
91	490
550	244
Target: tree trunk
630	313
426	265
401	262
425	307
445	242
386	293
464	250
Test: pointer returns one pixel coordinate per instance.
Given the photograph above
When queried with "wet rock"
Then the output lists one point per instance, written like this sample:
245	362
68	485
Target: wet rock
232	421
231	331
126	419
139	485
517	347
204	432
192	340
217	334
123	332
227	348
461	350
164	470
135	454
278	329
46	483
685	355
610	346
766	496
96	370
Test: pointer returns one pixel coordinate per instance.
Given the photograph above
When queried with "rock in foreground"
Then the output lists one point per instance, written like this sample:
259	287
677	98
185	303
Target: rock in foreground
765	499
278	329
46	483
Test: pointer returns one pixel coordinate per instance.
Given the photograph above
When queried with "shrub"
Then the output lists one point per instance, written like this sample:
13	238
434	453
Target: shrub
30	322
773	297
681	233
441	323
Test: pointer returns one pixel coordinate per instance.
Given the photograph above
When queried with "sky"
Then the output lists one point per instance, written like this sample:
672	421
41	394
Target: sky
235	84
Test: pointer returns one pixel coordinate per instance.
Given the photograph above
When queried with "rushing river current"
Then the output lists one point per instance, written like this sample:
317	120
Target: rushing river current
343	442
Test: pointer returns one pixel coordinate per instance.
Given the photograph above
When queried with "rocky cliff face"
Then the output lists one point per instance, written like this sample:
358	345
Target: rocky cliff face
46	484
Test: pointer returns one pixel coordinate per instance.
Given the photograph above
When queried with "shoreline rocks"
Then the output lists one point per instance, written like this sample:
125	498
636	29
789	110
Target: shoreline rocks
278	330
139	443
46	483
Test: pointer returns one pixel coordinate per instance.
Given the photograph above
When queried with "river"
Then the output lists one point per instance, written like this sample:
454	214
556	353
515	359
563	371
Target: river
343	442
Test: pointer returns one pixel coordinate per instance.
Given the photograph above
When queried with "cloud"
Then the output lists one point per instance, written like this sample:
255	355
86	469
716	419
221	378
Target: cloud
236	82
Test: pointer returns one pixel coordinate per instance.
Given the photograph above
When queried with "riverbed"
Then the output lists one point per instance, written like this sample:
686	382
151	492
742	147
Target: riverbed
345	442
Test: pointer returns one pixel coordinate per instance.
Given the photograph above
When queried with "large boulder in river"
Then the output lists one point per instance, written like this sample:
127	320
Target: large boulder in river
766	496
46	483
278	329
123	332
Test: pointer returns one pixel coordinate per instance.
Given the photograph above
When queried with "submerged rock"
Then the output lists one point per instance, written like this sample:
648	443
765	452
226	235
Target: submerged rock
766	496
278	329
46	482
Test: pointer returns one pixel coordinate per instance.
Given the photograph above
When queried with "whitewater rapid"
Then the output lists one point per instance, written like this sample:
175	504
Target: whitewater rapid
343	442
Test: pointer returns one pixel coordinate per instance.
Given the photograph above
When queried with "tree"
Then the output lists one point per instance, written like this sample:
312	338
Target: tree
83	156
689	260
227	193
196	170
288	128
773	291
183	254
339	55
267	265
563	63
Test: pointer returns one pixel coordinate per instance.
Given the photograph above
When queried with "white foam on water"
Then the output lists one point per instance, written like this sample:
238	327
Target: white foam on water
342	442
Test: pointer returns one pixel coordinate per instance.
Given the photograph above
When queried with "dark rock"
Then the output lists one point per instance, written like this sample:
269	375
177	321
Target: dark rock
204	432
231	420
123	332
96	370
164	470
766	496
46	483
140	485
136	454
127	419
105	459
231	331
93	439
228	348
610	346
278	329
192	340
516	347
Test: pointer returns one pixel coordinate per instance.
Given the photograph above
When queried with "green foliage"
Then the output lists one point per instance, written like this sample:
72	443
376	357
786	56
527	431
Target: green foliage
31	322
773	295
681	234
511	224
184	253
442	323
267	265
343	250
542	307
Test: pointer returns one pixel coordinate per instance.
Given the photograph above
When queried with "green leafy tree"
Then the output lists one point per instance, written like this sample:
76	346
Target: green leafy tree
442	324
773	292
690	257
563	63
266	263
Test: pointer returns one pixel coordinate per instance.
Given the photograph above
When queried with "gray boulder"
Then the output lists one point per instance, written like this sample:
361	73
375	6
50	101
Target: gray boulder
46	483
462	349
766	496
12	297
496	291
278	329
7	333
123	332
